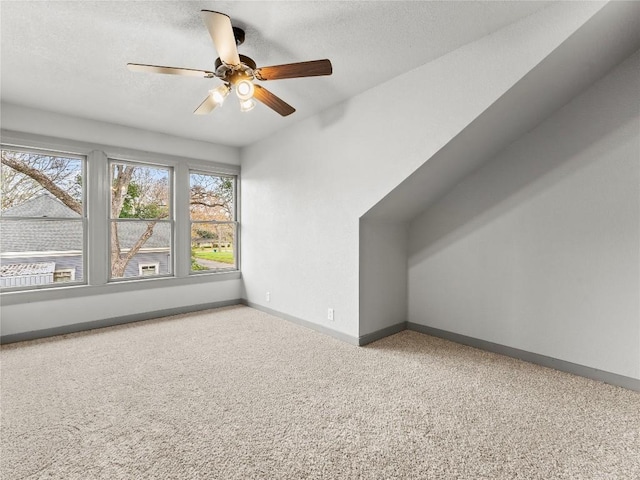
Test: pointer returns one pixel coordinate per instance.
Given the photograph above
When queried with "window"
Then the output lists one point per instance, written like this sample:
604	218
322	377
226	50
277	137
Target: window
146	269
64	275
213	222
141	228
102	216
42	218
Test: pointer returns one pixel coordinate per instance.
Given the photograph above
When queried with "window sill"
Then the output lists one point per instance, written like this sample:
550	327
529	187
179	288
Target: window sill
75	291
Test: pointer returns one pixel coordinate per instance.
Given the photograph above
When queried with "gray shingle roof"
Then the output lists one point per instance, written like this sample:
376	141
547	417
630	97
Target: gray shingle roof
44	205
130	231
40	236
63	236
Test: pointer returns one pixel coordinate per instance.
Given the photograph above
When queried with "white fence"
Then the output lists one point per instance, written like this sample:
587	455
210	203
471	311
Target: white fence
26	274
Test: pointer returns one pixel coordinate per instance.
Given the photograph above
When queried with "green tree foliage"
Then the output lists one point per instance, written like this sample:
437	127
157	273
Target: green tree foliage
195	266
209	235
133	205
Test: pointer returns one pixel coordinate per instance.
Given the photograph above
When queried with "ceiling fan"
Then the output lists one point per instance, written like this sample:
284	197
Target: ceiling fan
239	71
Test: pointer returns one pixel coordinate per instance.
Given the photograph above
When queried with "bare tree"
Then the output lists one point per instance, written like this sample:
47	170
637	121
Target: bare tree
38	173
30	174
211	198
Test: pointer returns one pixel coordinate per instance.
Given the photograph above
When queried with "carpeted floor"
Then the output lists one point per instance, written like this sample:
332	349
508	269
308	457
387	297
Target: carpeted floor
234	393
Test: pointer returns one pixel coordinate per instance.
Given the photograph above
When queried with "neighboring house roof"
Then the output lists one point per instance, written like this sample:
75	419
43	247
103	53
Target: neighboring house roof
63	236
43	205
129	232
41	236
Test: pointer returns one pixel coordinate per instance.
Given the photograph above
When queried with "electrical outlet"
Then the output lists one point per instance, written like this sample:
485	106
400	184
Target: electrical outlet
330	314
268	296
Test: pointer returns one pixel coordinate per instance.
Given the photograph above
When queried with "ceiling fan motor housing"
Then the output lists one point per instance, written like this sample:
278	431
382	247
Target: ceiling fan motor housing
238	34
233	75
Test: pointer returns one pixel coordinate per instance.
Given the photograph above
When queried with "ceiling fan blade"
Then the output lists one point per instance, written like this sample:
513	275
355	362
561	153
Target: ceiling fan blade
221	31
190	72
207	106
313	68
270	100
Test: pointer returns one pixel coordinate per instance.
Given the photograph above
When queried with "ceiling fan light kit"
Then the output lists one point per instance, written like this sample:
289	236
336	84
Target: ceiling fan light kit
247	105
244	89
219	94
239	71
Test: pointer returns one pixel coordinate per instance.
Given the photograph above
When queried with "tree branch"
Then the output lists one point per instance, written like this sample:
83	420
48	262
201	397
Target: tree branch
140	242
119	189
119	261
115	248
205	204
45	181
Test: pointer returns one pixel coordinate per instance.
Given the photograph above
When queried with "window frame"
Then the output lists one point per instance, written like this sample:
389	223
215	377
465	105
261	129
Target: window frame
83	219
97	213
170	219
234	222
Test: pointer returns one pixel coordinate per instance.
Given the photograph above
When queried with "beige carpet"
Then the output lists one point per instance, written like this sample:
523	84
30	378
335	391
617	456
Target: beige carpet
235	393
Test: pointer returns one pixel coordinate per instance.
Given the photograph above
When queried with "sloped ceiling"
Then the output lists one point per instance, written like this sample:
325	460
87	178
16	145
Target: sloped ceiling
70	56
608	38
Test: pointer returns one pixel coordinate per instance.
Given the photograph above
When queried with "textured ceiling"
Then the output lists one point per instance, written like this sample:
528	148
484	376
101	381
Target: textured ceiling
70	57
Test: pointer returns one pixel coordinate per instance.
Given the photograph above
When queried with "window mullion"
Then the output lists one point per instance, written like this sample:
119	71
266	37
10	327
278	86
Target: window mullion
98	189
182	221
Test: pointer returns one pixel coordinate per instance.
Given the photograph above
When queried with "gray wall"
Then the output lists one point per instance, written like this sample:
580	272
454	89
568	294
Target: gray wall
305	188
383	274
25	119
24	312
539	249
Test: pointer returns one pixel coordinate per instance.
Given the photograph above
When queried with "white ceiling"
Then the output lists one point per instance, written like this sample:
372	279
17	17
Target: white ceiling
70	56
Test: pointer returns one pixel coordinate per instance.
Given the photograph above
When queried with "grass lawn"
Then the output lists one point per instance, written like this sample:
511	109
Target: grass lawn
226	256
